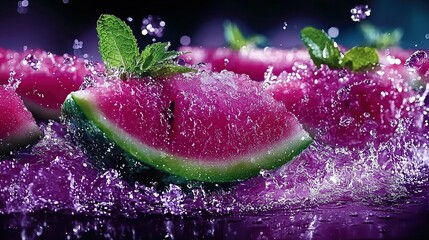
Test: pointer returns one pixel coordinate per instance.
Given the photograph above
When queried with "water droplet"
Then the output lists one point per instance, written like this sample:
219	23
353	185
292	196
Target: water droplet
153	26
77	44
23	6
333	32
185	40
226	61
67	59
32	61
360	12
345	121
427	35
88	81
416	60
284	25
129	19
13	82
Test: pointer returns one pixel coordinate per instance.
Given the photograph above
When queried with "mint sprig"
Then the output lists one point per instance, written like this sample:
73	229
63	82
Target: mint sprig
236	40
118	48
360	58
378	39
117	44
324	50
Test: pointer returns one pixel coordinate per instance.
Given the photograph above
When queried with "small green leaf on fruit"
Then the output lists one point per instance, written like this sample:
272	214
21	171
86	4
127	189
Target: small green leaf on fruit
360	58
236	40
118	48
322	49
117	44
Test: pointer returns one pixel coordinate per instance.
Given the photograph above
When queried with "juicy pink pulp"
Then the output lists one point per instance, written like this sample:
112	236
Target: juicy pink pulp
344	108
17	125
207	116
45	78
251	61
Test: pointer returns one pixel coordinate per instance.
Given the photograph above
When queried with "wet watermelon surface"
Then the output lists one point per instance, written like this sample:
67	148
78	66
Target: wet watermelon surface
379	192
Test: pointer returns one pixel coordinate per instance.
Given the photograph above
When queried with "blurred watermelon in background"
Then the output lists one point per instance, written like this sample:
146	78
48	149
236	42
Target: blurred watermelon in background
68	26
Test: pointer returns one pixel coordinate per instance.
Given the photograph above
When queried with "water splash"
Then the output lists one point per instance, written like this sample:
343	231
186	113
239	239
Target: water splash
360	12
153	26
320	175
13	82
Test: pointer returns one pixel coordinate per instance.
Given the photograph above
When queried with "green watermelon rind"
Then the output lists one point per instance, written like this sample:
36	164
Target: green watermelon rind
189	169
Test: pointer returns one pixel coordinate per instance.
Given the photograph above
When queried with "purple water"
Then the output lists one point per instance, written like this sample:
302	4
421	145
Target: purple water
324	191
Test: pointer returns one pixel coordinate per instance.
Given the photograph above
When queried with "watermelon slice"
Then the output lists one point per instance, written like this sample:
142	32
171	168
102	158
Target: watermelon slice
210	127
46	78
17	126
252	61
343	108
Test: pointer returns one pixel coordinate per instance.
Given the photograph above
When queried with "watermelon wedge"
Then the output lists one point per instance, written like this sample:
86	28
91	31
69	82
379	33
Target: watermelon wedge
17	126
344	108
46	78
209	127
252	61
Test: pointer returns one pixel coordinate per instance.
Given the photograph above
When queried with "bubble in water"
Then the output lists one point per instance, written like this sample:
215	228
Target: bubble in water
153	26
32	61
416	60
360	12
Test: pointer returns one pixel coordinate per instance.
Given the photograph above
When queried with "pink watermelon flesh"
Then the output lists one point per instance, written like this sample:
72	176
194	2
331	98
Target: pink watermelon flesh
342	108
17	126
206	126
251	61
46	78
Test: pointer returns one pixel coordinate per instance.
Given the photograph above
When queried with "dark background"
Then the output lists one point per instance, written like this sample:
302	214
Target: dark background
53	25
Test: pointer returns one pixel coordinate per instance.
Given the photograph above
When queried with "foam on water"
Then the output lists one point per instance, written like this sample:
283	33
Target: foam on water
55	176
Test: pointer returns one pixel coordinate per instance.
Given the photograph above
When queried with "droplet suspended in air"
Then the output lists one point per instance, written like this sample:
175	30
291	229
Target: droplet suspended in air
333	32
185	40
77	44
153	26
284	25
23	6
32	61
360	12
416	60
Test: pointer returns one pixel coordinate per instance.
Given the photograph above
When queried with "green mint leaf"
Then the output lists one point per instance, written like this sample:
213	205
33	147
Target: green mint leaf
360	58
117	44
375	38
236	40
322	49
156	60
